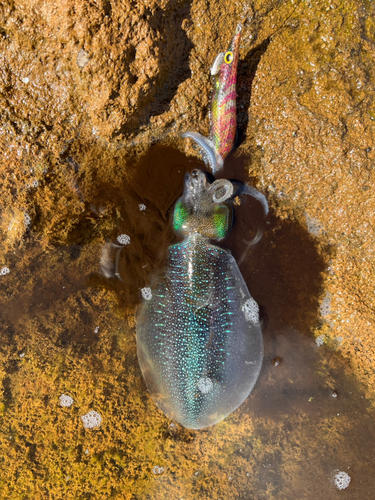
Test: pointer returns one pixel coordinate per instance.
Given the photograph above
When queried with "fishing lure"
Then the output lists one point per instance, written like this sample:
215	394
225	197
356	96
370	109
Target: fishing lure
223	107
199	340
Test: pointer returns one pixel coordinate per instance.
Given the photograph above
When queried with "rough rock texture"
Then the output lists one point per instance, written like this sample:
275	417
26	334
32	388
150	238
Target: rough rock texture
313	115
85	89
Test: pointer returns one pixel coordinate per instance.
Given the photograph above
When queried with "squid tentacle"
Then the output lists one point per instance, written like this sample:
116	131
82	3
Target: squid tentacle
214	159
251	191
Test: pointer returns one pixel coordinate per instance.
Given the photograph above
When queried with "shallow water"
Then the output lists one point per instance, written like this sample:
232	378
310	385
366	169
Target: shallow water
67	329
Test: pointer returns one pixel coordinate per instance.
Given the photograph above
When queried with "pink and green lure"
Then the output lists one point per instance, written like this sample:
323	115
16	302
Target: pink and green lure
223	107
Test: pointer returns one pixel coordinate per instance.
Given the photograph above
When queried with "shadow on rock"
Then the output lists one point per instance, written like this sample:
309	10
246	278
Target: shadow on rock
246	72
174	47
284	271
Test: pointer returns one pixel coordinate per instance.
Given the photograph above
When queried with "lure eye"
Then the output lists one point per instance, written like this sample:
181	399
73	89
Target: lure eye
228	58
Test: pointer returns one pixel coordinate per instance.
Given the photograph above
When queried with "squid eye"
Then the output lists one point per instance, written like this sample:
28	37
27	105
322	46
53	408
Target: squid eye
228	58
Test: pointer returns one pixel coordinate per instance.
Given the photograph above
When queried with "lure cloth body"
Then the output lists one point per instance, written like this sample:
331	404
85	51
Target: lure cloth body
223	107
223	102
199	340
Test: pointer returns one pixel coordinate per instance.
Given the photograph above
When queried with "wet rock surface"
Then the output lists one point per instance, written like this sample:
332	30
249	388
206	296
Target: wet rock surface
93	96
